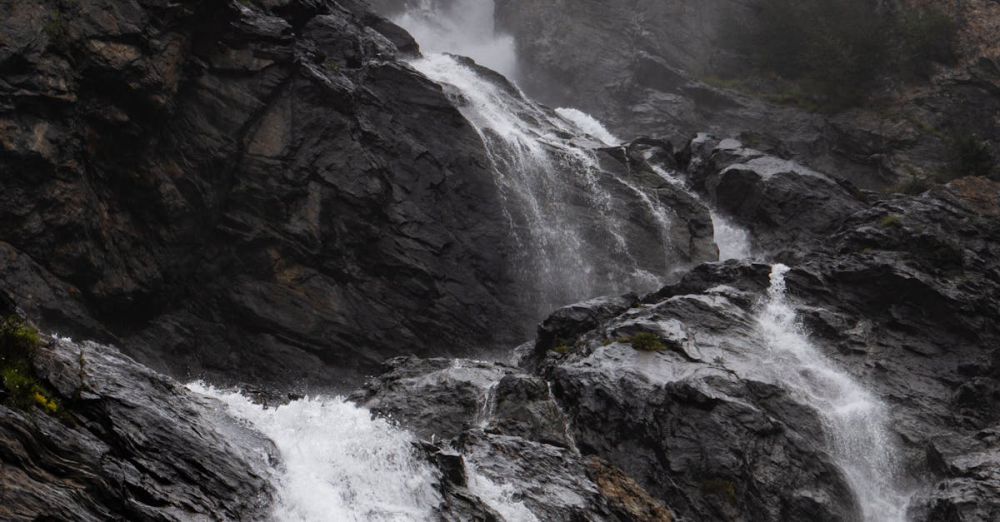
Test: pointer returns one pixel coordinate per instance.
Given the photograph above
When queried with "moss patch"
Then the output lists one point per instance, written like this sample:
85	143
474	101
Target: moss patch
646	342
18	345
891	221
724	489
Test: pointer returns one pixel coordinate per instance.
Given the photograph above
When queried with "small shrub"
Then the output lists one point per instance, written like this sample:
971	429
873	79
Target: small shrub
926	36
18	342
562	349
647	342
970	156
914	186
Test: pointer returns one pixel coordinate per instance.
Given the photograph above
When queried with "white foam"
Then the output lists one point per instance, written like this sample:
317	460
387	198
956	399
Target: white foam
589	125
338	462
733	240
856	421
500	497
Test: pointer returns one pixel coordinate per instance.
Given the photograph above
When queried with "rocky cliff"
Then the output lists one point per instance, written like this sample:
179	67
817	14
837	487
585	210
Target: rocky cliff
281	194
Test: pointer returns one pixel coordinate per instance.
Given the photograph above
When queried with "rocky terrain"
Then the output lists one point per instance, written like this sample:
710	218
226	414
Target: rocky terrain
900	292
261	186
658	70
118	441
275	194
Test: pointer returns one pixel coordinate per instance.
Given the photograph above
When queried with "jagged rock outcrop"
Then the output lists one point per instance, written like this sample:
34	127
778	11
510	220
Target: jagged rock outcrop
778	201
126	444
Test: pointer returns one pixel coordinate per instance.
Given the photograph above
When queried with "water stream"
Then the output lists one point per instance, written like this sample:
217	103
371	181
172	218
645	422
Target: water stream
566	212
856	421
339	463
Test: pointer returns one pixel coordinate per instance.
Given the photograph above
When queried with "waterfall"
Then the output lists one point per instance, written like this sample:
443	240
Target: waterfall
856	421
339	462
733	240
572	220
588	124
463	27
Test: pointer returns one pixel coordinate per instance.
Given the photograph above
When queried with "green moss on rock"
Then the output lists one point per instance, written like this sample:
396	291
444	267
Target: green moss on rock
19	343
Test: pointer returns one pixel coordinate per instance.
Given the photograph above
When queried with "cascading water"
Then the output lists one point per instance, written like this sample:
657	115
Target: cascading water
855	420
562	206
733	241
339	463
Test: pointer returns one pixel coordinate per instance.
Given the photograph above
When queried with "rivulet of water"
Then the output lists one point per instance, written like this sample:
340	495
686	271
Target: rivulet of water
855	420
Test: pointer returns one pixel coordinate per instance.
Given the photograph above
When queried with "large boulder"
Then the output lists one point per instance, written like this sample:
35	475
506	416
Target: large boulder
780	202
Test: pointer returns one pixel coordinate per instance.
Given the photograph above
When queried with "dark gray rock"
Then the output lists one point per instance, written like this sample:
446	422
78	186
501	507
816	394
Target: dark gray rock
780	202
709	434
266	192
251	192
127	444
662	68
902	294
507	452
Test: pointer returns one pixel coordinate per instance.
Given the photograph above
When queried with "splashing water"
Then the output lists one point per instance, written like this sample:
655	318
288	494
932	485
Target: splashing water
589	125
463	27
571	220
855	420
339	463
733	240
500	497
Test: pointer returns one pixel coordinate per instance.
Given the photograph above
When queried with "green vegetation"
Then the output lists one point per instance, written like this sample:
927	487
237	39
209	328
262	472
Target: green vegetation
970	156
840	50
646	342
18	344
891	221
562	348
55	29
725	489
925	37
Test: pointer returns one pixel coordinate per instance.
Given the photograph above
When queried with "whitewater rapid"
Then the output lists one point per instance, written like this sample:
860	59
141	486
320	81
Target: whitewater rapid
855	420
340	463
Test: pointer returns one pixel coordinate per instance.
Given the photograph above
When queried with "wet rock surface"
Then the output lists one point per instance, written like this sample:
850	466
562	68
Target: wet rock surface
266	192
261	186
509	439
900	293
127	444
268	187
779	202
